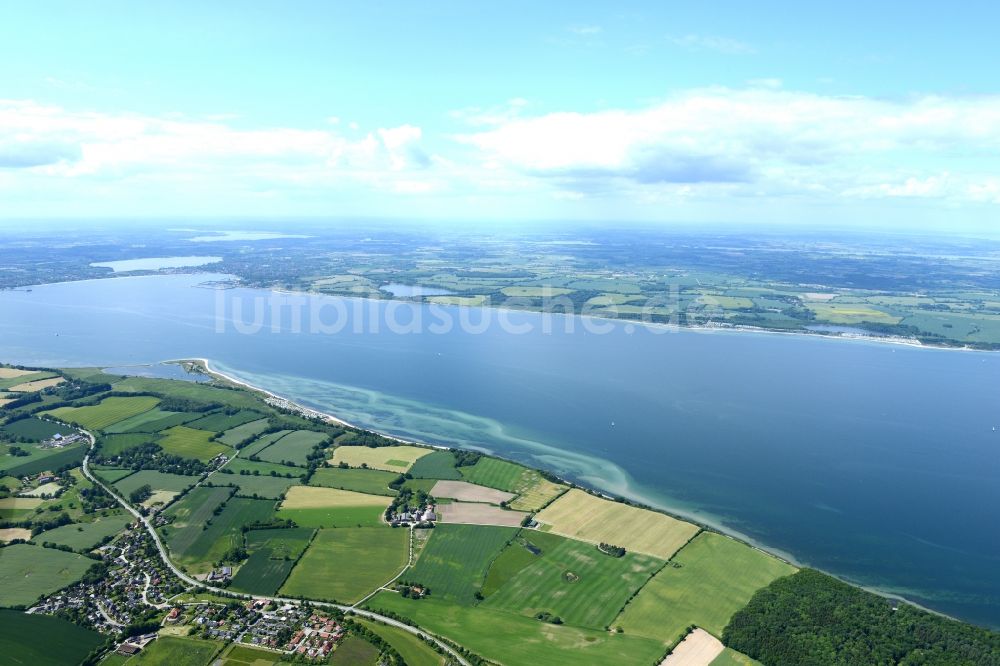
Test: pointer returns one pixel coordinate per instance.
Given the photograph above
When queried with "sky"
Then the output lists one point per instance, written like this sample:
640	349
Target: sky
854	114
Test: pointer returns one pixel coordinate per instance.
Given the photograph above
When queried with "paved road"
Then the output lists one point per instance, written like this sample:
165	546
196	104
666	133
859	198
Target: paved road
198	583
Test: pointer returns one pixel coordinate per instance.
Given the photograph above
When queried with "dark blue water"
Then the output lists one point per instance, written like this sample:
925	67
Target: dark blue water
876	462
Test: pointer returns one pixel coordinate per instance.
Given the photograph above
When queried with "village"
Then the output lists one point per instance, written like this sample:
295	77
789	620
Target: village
136	580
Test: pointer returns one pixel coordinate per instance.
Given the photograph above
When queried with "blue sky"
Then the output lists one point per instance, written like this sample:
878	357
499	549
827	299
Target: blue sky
668	112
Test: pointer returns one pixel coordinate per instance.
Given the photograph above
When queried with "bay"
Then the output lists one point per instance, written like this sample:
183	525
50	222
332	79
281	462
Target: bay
876	462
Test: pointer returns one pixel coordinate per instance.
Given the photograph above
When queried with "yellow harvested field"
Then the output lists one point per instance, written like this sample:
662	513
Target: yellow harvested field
4	401
37	385
466	513
469	492
315	497
160	497
10	373
699	648
582	516
538	495
20	503
11	533
389	458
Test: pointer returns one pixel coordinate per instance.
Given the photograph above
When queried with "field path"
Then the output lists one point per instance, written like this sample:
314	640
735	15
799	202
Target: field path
420	633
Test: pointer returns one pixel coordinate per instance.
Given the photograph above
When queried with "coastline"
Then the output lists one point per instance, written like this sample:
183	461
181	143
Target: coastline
700	328
204	365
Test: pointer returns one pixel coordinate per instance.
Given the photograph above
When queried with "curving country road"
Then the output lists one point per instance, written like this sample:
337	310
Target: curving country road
420	633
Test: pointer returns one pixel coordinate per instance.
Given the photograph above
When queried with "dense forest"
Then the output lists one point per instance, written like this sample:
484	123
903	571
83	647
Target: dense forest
810	618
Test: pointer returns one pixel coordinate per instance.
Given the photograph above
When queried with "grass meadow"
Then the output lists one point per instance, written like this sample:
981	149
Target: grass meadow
192	443
715	576
515	640
347	564
107	412
577	582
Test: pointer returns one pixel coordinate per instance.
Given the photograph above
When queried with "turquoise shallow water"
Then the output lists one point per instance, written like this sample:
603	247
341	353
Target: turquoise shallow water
876	462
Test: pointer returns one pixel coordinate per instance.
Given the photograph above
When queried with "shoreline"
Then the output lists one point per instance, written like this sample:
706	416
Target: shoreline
204	365
701	328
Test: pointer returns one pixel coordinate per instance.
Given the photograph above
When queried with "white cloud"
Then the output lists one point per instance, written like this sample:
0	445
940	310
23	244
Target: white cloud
716	43
585	30
759	141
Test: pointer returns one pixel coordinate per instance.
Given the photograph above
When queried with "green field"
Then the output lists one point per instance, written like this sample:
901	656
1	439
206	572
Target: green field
455	560
225	530
42	640
110	474
354	651
437	465
516	556
372	481
105	413
346	564
290	542
174	651
156	480
262	574
220	421
192	443
190	391
242	655
35	429
113	445
190	514
84	536
716	577
413	650
261	443
515	640
576	582
240	433
248	485
140	422
30	571
293	447
238	465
